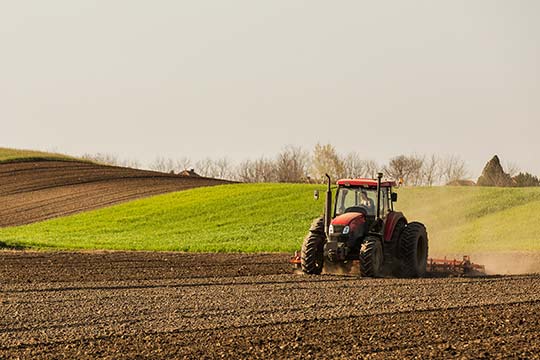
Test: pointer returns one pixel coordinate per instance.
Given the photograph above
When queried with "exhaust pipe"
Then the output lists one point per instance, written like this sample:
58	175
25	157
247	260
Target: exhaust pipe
328	207
379	177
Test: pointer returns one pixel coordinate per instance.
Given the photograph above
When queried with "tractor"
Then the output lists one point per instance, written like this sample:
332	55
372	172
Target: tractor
363	226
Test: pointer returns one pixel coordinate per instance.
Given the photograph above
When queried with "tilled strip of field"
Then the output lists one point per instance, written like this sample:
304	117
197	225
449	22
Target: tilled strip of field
40	190
120	305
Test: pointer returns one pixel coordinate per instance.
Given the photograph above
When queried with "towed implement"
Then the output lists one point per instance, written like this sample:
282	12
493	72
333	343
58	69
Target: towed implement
362	227
455	267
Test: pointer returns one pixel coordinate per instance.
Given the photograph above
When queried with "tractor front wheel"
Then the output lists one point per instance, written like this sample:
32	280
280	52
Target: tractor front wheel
312	255
413	250
371	257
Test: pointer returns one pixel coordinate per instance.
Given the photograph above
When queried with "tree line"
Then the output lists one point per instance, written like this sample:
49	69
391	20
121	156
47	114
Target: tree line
294	164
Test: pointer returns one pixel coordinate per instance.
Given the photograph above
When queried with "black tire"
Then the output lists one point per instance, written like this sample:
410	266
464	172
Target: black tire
371	257
312	255
391	250
413	250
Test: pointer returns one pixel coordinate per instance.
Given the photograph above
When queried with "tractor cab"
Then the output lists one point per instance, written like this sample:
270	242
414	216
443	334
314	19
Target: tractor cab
361	195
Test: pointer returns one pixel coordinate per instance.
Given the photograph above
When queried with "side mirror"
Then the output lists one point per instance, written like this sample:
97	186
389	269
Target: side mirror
394	197
316	194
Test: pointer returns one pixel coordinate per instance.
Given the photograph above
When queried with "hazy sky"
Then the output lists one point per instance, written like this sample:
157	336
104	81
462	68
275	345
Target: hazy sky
245	78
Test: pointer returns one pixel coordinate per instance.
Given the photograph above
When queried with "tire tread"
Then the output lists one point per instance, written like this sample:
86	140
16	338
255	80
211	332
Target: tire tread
313	247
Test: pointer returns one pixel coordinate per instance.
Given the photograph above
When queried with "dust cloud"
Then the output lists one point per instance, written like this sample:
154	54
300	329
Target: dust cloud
501	263
509	263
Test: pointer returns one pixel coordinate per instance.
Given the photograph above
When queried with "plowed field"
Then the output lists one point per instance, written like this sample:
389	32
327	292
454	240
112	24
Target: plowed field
173	305
35	191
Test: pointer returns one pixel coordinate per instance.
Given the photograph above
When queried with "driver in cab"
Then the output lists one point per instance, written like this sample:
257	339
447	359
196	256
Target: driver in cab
367	202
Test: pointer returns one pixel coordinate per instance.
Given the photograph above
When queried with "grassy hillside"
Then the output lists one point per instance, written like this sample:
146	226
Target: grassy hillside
476	219
275	217
7	155
223	218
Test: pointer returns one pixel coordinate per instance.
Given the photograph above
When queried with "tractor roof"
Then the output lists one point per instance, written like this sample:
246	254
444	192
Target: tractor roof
365	182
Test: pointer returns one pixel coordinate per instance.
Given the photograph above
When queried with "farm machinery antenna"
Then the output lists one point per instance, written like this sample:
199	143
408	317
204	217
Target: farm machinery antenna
364	227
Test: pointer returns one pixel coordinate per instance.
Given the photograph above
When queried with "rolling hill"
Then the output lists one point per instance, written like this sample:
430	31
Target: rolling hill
36	186
275	217
18	155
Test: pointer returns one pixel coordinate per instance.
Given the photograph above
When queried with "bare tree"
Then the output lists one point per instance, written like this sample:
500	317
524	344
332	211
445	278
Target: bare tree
130	163
183	163
245	172
453	168
372	168
511	168
431	170
223	169
408	168
326	161
162	164
291	165
355	167
260	170
102	158
205	167
111	159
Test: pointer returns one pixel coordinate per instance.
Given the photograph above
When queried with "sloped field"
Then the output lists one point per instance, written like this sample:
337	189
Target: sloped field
275	218
9	155
33	191
237	217
476	219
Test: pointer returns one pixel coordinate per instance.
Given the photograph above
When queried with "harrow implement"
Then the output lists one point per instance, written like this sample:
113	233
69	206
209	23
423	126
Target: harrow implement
434	266
455	267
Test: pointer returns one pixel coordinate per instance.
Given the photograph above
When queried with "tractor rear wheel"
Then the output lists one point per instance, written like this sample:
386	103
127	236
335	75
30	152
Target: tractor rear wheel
312	255
391	249
413	250
371	257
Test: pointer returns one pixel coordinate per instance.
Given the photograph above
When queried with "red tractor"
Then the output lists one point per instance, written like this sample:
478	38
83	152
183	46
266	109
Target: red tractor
364	226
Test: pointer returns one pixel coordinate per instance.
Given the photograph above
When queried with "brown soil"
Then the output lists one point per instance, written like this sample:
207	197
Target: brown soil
173	305
40	190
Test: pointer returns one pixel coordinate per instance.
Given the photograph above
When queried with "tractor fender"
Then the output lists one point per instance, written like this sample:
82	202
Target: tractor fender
392	219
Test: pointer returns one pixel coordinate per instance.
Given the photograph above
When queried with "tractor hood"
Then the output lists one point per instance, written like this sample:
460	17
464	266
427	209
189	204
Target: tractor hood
347	218
347	226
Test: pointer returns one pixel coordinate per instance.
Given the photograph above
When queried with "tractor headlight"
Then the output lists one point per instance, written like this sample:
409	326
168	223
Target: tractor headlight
331	229
346	230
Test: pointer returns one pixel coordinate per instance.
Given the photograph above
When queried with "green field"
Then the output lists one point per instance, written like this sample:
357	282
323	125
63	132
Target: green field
476	219
8	155
275	217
